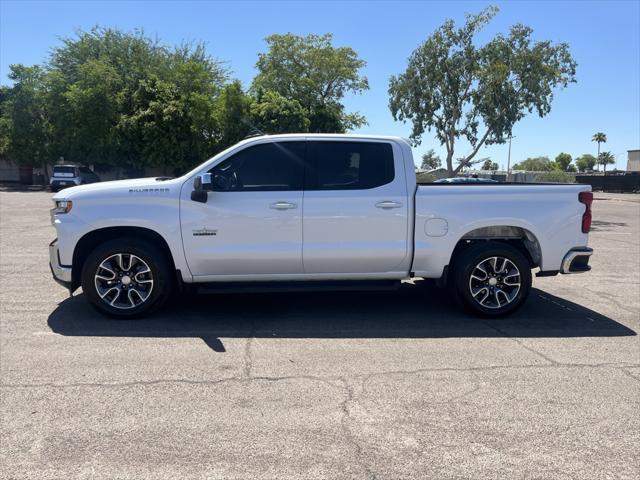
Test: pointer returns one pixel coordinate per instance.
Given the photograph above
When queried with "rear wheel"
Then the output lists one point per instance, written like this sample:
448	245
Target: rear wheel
126	278
491	279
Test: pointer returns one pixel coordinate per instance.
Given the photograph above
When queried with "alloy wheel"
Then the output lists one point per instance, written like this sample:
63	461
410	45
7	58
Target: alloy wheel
124	281
495	282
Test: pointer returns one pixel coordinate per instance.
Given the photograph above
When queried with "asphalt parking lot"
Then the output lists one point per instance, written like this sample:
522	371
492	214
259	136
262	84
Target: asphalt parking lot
380	385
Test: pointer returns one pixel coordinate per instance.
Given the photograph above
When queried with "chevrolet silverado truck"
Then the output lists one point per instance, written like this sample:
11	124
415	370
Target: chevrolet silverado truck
311	210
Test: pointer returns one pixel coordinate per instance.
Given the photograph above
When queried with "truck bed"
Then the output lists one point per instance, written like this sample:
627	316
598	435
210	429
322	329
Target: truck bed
550	215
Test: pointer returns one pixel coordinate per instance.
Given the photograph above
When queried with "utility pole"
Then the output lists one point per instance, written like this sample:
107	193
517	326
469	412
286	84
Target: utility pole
509	161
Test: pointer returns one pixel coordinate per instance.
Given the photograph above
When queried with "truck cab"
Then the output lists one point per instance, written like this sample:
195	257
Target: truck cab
348	200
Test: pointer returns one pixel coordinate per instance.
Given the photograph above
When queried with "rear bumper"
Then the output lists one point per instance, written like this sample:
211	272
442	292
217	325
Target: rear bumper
577	260
63	183
61	273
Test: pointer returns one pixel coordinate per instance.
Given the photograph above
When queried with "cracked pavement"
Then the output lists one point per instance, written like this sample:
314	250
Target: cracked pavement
364	385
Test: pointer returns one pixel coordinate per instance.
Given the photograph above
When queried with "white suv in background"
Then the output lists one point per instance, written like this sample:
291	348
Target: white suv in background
64	176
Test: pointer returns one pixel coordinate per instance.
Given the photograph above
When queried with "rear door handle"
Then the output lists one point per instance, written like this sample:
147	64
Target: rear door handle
388	204
283	205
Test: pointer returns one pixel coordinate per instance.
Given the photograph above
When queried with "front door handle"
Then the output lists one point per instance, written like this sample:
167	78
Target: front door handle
283	206
388	204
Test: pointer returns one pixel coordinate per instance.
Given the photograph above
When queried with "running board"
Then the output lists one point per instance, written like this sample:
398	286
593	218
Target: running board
306	286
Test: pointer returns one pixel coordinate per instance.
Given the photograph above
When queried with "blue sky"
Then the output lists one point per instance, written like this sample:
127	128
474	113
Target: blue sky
604	39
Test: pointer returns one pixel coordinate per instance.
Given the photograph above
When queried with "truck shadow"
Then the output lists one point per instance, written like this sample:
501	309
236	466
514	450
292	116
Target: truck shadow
414	311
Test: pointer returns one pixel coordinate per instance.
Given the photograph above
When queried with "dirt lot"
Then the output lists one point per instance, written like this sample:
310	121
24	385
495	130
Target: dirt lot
323	385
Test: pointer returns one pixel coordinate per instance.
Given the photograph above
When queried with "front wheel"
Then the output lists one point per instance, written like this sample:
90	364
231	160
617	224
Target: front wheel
126	278
491	279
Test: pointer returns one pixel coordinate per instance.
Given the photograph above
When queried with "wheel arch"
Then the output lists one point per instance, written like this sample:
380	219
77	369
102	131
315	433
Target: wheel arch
90	240
521	238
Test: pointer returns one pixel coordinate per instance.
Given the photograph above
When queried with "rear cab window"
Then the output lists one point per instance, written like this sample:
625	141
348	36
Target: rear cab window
345	165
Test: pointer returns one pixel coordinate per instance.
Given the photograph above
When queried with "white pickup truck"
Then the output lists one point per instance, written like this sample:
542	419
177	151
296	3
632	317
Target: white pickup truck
314	209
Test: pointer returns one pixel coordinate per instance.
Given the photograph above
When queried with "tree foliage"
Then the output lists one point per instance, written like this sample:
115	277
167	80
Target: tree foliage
586	162
563	160
311	71
460	90
536	164
430	160
599	137
556	176
232	114
490	165
606	158
25	128
122	99
115	98
273	113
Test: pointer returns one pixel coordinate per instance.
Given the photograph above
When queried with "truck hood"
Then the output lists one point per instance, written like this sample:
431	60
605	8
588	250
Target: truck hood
136	185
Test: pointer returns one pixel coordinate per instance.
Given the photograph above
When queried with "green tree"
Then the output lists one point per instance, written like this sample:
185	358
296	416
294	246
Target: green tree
606	158
5	122
169	128
599	138
123	99
563	160
233	114
430	160
459	89
489	165
535	164
273	113
25	128
92	111
311	71
586	162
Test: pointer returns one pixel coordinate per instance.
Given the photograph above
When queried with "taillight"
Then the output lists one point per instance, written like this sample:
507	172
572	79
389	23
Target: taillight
587	199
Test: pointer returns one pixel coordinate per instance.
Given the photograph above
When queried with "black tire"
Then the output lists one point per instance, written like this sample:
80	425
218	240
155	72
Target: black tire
465	265
160	274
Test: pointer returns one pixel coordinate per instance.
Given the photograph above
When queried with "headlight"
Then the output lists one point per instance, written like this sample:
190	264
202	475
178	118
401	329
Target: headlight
62	206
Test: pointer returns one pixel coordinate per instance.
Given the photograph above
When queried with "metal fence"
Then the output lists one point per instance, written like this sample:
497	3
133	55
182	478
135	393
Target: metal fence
612	183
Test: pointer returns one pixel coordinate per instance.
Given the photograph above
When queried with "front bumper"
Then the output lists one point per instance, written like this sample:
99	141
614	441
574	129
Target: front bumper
61	273
577	260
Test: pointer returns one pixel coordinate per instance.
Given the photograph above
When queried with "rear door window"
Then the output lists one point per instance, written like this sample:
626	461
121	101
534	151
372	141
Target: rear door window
349	165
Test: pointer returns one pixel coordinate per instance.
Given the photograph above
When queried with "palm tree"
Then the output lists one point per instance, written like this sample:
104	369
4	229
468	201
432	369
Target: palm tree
606	158
600	138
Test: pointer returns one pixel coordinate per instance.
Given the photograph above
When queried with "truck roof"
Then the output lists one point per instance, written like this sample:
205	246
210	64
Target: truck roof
340	136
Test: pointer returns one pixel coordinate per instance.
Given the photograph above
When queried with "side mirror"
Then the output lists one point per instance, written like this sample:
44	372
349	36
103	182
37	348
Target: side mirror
201	185
203	182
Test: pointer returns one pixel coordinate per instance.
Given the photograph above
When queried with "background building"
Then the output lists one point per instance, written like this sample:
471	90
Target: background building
633	160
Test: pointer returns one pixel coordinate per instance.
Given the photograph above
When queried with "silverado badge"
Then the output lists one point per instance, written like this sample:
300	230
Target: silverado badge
205	232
